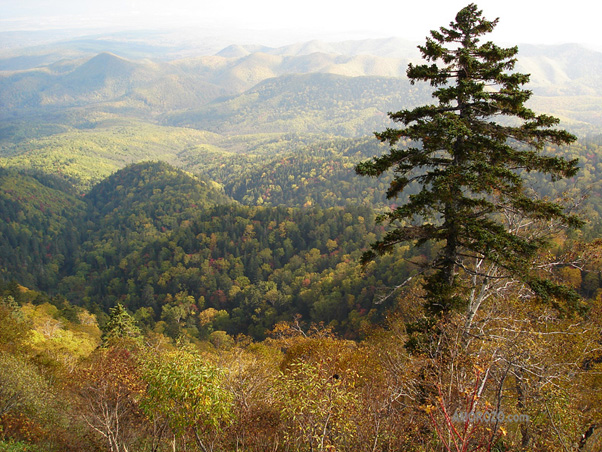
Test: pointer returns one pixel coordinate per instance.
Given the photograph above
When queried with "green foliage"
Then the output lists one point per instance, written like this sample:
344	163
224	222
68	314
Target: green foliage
39	227
152	191
96	145
121	325
196	268
468	165
317	407
18	446
22	388
188	393
13	326
57	340
320	175
258	264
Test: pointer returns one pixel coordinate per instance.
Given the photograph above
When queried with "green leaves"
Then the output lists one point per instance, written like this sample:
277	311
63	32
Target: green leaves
187	391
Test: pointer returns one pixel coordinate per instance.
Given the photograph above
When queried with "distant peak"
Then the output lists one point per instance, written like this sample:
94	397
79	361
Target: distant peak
107	56
239	51
233	51
110	59
107	63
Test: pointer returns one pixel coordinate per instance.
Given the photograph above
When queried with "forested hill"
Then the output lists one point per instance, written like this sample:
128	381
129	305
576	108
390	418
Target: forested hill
171	245
151	191
308	103
160	239
40	227
43	220
320	174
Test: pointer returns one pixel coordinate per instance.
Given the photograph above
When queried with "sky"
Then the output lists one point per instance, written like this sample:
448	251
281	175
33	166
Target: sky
521	21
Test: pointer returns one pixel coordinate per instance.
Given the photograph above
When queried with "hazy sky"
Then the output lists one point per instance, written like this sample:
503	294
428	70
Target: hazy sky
520	20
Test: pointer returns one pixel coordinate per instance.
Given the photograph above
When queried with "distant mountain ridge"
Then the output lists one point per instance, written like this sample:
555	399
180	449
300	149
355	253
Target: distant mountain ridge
150	88
107	77
567	69
306	104
385	48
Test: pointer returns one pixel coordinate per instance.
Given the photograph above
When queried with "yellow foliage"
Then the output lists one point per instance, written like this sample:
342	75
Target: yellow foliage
59	339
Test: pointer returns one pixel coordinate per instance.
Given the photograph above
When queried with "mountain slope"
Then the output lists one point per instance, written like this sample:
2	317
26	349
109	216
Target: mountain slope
322	174
99	146
144	88
139	87
310	103
562	69
151	191
40	220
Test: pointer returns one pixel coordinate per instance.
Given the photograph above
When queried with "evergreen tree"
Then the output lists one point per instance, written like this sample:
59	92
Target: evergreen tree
120	325
469	152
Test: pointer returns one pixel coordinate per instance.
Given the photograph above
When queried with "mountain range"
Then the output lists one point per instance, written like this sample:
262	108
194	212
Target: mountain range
566	79
84	108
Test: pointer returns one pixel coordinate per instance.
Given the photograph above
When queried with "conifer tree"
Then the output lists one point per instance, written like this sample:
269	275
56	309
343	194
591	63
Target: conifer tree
120	325
469	152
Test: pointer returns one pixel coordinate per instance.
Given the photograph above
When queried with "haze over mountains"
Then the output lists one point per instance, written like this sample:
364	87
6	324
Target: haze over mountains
119	75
